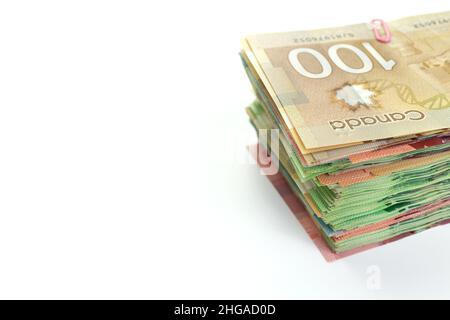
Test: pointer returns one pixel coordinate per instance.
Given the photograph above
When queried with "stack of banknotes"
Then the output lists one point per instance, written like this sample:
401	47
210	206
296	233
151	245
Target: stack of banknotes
357	120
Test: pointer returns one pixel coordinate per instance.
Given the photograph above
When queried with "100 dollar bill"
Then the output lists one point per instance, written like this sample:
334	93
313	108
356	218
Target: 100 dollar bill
340	86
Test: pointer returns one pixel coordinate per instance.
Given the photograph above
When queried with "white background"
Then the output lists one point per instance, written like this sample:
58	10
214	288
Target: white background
122	128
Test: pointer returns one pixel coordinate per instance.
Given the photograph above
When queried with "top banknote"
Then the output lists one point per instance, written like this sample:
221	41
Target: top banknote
342	86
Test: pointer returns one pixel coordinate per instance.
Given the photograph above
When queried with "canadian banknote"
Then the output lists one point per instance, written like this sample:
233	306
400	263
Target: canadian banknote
337	88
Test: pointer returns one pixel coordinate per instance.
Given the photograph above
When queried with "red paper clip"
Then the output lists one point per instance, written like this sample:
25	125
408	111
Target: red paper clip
386	37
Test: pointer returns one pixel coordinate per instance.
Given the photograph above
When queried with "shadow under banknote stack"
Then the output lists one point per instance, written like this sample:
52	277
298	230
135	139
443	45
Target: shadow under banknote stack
364	139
